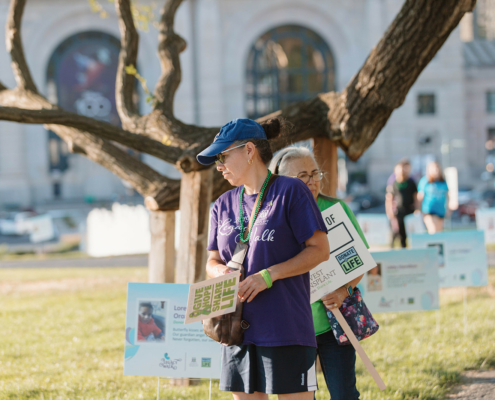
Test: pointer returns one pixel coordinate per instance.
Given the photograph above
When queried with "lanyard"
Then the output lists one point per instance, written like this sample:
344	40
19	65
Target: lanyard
254	213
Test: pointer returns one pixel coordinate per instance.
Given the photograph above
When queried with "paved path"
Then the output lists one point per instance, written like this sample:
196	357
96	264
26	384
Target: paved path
121	261
475	385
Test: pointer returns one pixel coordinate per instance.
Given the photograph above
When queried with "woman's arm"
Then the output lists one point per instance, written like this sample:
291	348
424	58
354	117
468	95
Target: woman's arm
215	266
317	250
418	201
389	209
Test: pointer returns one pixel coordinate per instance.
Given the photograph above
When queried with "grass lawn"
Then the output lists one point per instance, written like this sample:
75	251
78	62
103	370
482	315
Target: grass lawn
63	338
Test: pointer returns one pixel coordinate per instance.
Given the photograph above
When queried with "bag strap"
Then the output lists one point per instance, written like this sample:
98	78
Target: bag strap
251	220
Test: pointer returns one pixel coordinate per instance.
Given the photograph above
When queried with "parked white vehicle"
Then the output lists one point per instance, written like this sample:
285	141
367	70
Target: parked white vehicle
40	228
16	223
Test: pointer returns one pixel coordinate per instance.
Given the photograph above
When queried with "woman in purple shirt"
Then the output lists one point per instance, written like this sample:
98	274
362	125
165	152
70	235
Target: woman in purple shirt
286	241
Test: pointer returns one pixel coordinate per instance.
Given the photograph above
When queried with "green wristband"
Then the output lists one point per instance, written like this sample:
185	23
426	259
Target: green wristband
266	276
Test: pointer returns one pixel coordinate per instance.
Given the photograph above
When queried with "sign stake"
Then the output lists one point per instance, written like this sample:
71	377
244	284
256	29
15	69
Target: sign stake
158	389
359	349
465	311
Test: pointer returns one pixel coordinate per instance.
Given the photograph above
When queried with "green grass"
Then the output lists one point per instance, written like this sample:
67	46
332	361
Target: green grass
64	252
66	341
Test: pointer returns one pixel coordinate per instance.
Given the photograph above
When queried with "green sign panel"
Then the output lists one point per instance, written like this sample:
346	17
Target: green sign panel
349	260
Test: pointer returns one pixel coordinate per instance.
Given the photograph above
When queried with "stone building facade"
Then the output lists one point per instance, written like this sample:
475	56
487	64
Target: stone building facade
445	115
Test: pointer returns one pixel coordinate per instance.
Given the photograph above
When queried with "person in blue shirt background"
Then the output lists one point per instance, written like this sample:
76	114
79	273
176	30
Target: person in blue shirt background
433	192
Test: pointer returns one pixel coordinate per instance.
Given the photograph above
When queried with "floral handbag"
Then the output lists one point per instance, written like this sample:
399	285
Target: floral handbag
357	316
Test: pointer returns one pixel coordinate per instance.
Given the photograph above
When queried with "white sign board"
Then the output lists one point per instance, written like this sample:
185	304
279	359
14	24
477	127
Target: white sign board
166	347
122	230
376	229
452	180
41	228
212	298
485	221
349	256
403	280
461	256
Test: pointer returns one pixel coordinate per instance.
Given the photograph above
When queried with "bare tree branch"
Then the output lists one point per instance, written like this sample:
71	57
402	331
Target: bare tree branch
125	83
149	183
169	48
100	129
160	192
411	41
352	118
14	46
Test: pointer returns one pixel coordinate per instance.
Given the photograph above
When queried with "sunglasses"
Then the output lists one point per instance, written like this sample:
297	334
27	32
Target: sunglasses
220	158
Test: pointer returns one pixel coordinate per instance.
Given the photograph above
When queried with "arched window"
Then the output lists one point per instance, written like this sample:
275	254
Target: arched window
287	64
81	79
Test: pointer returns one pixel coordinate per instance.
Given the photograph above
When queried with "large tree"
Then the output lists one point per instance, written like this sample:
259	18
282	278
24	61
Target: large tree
350	119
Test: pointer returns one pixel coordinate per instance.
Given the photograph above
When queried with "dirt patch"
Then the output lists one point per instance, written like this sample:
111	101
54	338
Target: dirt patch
475	385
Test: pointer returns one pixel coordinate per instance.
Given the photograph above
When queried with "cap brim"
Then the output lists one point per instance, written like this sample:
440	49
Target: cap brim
207	156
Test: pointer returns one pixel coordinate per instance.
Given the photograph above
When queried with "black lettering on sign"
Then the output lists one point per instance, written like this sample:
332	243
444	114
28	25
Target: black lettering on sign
330	220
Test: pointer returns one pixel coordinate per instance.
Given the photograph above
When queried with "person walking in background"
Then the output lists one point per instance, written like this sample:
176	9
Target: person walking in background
433	192
401	200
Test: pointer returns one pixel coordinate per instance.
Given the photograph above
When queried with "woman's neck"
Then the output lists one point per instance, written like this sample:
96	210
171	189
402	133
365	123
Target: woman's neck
255	179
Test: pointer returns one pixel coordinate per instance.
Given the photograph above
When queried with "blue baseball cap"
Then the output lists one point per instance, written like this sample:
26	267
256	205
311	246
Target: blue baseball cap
238	129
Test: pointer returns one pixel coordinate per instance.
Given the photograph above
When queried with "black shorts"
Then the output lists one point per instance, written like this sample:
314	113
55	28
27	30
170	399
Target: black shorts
273	370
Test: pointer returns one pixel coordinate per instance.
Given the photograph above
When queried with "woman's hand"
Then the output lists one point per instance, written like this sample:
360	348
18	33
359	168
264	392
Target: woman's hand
335	299
251	286
219	270
215	266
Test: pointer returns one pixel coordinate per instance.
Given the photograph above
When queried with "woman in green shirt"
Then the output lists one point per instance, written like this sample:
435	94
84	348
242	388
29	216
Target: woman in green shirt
337	362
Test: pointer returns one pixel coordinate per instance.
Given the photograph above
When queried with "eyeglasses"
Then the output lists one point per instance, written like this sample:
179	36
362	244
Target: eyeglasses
220	158
317	176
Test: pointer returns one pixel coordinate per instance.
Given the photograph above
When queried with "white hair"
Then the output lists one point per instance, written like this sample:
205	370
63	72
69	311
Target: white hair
281	160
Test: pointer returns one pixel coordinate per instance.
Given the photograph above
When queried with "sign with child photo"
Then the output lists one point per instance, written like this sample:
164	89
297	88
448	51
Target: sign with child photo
349	257
403	280
157	343
461	256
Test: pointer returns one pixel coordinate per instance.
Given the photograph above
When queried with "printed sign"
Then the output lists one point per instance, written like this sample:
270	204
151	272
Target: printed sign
485	221
403	280
461	256
41	228
349	260
349	256
157	343
376	229
213	297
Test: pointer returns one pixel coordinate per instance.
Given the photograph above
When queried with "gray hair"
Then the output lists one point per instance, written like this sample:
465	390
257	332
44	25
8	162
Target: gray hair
281	161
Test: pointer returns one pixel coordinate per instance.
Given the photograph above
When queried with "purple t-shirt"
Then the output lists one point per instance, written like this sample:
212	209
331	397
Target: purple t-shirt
281	315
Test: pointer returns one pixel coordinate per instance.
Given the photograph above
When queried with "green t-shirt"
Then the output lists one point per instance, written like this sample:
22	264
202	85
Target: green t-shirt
320	318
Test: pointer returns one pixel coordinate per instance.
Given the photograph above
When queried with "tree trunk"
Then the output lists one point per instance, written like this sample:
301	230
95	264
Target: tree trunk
161	260
195	200
325	151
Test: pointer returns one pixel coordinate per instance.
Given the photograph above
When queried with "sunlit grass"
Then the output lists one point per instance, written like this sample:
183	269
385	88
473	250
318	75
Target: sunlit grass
66	342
